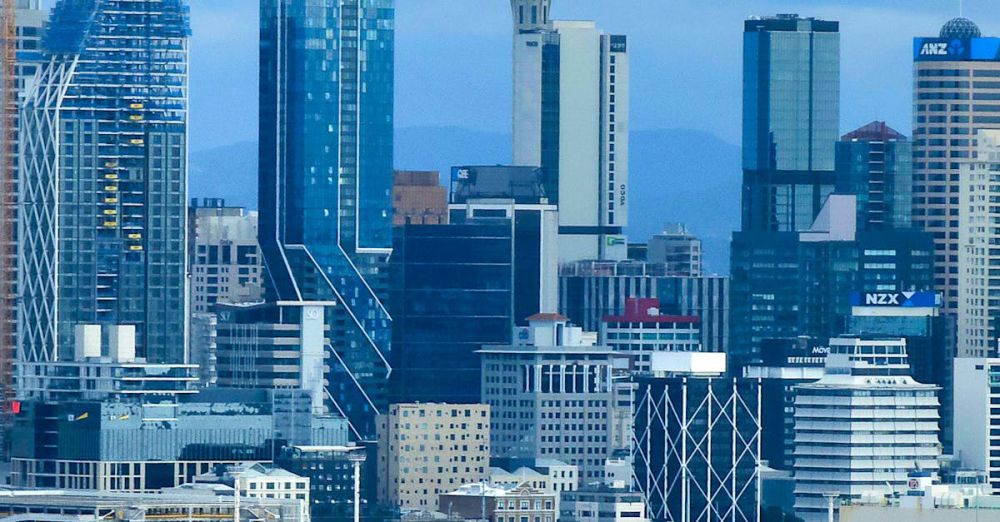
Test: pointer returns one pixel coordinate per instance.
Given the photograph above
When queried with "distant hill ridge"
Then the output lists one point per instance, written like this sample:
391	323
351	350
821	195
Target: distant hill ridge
675	175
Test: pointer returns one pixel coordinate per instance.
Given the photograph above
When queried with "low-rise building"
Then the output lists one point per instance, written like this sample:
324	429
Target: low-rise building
202	502
425	450
966	499
259	480
480	501
601	503
144	447
549	475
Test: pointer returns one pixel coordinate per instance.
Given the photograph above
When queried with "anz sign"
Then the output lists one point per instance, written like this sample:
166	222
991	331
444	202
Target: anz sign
956	49
897	299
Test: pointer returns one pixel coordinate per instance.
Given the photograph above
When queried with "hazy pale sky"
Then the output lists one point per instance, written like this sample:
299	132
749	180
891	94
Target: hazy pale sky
453	60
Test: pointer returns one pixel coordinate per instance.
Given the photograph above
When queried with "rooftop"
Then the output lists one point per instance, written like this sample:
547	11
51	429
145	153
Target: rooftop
874	131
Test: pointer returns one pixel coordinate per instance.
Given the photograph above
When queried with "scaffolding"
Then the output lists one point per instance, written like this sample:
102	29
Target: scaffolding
8	203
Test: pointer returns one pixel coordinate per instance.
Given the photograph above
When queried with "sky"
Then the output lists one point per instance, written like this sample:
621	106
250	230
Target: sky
453	60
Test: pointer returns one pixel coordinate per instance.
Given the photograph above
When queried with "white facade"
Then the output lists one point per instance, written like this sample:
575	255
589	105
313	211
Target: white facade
977	386
979	219
863	426
551	396
582	138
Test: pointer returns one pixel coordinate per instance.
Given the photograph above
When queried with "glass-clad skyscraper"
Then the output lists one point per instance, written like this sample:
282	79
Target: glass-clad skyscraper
791	100
103	184
326	87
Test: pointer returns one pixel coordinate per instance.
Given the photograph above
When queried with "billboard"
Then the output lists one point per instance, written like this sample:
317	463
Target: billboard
897	299
956	49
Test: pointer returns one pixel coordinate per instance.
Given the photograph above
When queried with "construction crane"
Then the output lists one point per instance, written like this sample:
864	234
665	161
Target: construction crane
8	205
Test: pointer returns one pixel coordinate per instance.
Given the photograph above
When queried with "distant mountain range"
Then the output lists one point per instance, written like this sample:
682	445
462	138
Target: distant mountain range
675	175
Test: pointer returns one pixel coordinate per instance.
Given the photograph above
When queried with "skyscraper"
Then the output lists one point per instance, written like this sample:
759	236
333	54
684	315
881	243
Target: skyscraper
29	20
104	179
956	92
979	310
875	163
791	106
326	84
791	100
570	111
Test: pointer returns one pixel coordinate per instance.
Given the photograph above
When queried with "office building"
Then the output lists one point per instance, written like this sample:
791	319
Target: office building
551	395
517	194
418	198
335	478
571	117
978	311
146	446
104	170
592	290
678	248
976	389
460	286
207	503
875	162
785	363
955	93
427	450
480	501
866	399
326	180
600	503
226	265
791	108
642	330
453	293
691	460
930	351
283	345
787	284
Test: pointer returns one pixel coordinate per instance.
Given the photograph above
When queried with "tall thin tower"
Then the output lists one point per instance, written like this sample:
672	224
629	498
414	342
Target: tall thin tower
326	107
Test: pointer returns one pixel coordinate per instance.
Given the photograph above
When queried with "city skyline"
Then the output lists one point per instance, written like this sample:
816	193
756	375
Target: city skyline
670	87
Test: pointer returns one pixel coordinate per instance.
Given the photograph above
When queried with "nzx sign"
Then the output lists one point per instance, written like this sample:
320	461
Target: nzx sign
904	299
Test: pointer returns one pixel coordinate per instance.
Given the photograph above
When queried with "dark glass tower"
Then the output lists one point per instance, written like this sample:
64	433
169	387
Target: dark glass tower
875	162
791	104
104	175
326	84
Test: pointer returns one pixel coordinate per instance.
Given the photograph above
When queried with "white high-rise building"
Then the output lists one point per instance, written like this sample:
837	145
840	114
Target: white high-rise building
863	426
570	117
977	390
979	220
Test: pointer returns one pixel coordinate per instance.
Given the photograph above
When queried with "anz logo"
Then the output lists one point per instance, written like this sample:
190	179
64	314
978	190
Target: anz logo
934	49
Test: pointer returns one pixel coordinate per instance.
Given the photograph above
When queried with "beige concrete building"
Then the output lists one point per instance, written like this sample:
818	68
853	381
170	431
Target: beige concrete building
425	450
956	92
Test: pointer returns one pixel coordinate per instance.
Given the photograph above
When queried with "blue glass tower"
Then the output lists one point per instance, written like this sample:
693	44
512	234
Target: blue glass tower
791	100
326	87
103	188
